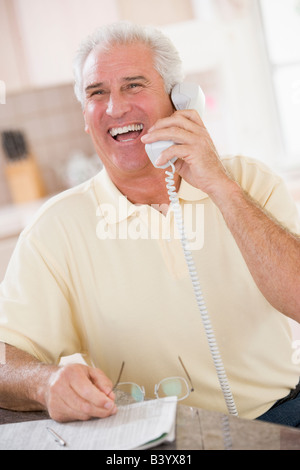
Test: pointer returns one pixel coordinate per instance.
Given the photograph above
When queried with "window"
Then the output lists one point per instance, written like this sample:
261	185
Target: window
281	22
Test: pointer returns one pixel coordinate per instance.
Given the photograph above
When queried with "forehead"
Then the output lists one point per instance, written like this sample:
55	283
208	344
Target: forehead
118	62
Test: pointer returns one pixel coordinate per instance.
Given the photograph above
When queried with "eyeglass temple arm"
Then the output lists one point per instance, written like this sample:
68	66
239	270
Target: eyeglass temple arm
181	362
187	374
119	377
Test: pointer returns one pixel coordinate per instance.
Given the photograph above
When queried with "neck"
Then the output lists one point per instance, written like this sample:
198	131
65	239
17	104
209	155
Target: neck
145	188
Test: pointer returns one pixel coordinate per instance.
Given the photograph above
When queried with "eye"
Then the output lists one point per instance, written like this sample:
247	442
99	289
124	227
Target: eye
134	86
97	92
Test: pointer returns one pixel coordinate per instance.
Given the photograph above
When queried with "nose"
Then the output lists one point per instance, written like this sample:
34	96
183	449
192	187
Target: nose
117	105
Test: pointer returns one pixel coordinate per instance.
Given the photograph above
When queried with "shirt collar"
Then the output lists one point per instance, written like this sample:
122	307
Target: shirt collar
115	207
187	192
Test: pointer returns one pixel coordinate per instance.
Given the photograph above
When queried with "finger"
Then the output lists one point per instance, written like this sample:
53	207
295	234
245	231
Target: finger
71	407
194	151
63	403
186	119
73	386
102	382
178	130
182	152
85	387
84	403
190	114
87	409
175	134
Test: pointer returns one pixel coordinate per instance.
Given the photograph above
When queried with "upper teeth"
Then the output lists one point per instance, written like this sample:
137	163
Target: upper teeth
122	130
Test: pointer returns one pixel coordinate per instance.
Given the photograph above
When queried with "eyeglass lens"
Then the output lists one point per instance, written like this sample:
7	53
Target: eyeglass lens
132	389
172	387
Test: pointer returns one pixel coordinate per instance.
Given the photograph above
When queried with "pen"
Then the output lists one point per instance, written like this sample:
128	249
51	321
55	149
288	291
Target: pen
57	438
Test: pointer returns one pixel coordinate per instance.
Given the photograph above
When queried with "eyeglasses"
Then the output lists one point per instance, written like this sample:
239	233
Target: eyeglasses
170	386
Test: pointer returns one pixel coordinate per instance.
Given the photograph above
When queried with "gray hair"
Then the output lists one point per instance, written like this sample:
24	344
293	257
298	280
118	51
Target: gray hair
166	58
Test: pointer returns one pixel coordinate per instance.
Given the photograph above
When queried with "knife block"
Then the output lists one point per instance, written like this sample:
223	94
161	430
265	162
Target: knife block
24	180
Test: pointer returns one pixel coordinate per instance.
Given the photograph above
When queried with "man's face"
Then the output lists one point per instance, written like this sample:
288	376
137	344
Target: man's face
124	97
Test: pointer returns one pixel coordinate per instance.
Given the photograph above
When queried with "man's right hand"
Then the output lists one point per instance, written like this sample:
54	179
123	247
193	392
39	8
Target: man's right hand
69	393
78	392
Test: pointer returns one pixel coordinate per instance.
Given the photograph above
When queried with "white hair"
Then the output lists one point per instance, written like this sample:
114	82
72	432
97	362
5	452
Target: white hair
165	56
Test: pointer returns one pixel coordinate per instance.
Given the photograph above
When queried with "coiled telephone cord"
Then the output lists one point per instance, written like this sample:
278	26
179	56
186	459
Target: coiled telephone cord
173	197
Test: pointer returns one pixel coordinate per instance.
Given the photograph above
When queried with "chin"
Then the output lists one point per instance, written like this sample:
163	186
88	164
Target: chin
132	164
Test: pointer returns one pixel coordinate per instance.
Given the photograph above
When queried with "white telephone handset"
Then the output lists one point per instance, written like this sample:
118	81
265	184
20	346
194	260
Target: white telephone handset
190	96
184	96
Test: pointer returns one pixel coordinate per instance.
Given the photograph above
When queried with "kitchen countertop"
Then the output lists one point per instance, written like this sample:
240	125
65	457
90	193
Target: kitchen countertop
15	217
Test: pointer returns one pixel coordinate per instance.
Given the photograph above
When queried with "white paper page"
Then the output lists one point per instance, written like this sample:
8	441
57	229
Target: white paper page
132	427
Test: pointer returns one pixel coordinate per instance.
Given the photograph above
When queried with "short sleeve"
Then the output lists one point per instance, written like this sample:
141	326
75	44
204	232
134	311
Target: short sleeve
267	188
35	308
282	206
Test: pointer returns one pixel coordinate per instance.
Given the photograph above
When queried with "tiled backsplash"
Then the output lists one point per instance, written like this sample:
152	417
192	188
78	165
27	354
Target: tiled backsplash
53	125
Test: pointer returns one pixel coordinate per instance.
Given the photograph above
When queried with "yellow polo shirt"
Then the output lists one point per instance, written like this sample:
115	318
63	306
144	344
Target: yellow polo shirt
97	275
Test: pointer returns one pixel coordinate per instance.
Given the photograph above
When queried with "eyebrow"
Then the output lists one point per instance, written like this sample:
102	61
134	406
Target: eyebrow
137	77
93	86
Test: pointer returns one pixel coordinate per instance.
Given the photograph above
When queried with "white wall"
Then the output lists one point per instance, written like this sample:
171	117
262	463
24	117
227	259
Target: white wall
234	50
224	40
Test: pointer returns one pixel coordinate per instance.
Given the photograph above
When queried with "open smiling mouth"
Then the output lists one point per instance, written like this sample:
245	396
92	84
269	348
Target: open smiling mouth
126	133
